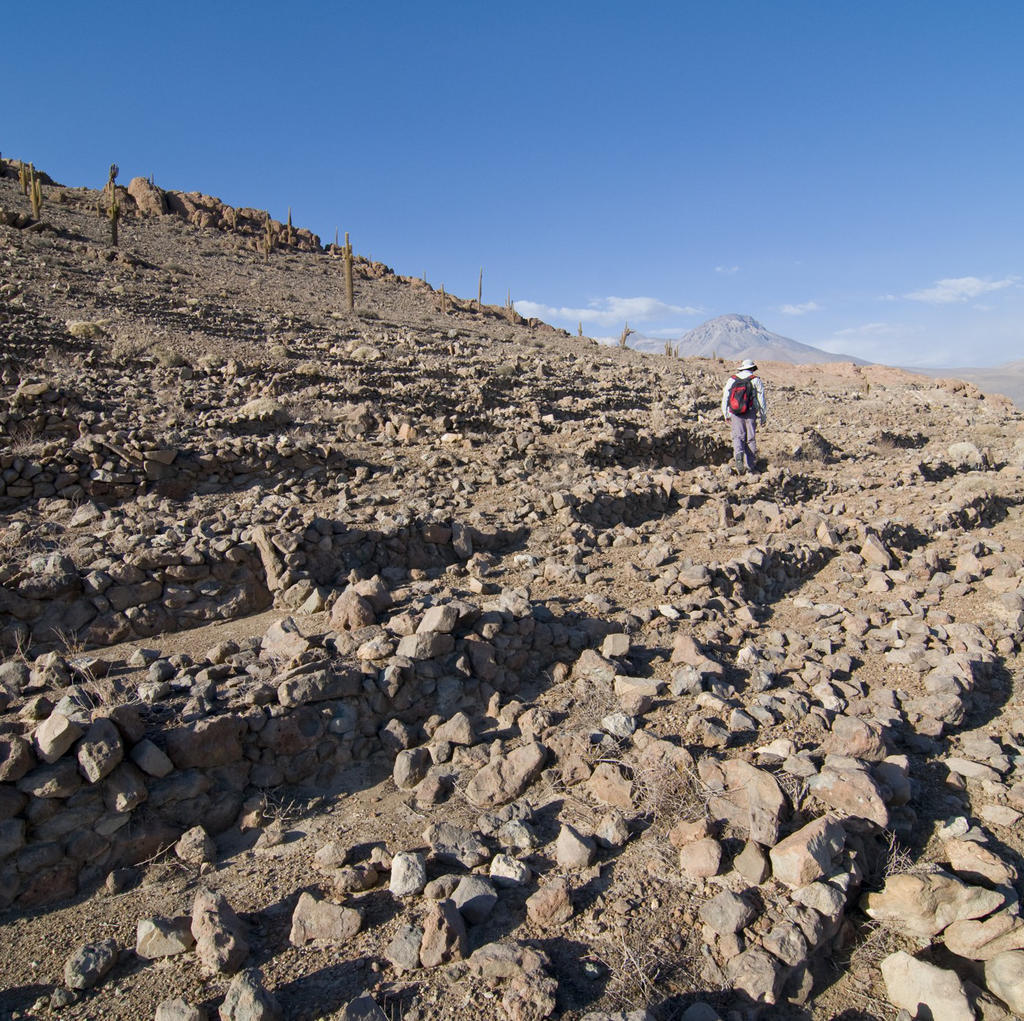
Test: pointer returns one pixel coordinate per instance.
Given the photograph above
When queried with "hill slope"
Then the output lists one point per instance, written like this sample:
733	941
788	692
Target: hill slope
1006	379
469	674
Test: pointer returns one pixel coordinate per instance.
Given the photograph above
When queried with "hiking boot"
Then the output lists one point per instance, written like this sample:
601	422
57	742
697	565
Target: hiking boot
739	464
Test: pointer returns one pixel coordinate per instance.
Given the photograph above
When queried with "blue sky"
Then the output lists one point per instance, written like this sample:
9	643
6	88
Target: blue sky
850	174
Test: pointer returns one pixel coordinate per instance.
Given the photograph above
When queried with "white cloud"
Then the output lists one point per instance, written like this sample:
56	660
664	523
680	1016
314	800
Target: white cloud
954	289
799	310
727	270
608	311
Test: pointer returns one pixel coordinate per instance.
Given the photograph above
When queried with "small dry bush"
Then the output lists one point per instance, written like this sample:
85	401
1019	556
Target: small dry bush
167	357
590	706
26	439
128	349
665	793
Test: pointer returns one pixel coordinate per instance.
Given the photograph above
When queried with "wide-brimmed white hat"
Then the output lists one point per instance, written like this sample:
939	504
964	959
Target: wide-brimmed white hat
748	365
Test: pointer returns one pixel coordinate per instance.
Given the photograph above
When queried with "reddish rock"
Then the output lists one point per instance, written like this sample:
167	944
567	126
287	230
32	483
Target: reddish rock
444	935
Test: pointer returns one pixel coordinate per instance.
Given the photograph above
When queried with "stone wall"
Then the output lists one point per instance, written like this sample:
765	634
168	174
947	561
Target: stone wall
86	785
114	586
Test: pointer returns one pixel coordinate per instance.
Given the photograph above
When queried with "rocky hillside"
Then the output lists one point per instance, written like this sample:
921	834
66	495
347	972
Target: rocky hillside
422	662
1006	379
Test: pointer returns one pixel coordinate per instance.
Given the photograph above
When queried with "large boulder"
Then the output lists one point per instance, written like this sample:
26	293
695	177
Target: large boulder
925	990
923	905
150	200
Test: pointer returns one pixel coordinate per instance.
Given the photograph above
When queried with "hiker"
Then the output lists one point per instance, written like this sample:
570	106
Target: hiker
743	403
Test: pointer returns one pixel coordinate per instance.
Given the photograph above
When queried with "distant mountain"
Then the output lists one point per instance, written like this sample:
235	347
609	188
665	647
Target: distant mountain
735	337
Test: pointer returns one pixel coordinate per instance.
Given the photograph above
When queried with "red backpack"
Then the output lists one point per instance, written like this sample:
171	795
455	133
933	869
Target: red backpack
741	395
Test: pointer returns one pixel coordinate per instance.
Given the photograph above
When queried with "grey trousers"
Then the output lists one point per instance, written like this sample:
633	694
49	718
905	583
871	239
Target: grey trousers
744	438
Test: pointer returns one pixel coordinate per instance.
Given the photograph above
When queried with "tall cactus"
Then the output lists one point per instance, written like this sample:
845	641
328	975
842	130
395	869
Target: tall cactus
113	213
36	195
268	238
350	296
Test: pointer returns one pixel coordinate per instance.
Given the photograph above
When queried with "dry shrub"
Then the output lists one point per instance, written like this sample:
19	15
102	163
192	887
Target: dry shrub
128	349
26	439
167	357
898	859
590	706
635	968
794	787
666	793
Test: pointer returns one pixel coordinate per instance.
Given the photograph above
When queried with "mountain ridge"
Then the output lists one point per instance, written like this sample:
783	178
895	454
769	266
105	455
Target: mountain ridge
734	336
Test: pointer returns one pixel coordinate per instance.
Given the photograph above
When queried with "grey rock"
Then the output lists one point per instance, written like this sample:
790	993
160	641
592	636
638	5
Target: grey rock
508	871
807	854
756	973
455	845
54	736
411	767
150	759
88	965
612	830
247	1000
100	750
475	898
195	846
179	1010
1004	976
404	949
362	1008
727	913
573	850
923	905
221	943
323	923
787	942
408	874
752	863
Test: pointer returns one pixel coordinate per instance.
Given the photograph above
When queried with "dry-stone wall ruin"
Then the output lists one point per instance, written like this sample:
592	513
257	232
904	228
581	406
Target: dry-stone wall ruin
82	793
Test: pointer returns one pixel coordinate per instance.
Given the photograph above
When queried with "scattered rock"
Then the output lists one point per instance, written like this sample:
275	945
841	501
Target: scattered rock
504	780
221	943
247	1000
444	935
550	904
88	965
163	937
918	986
318	921
408	874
